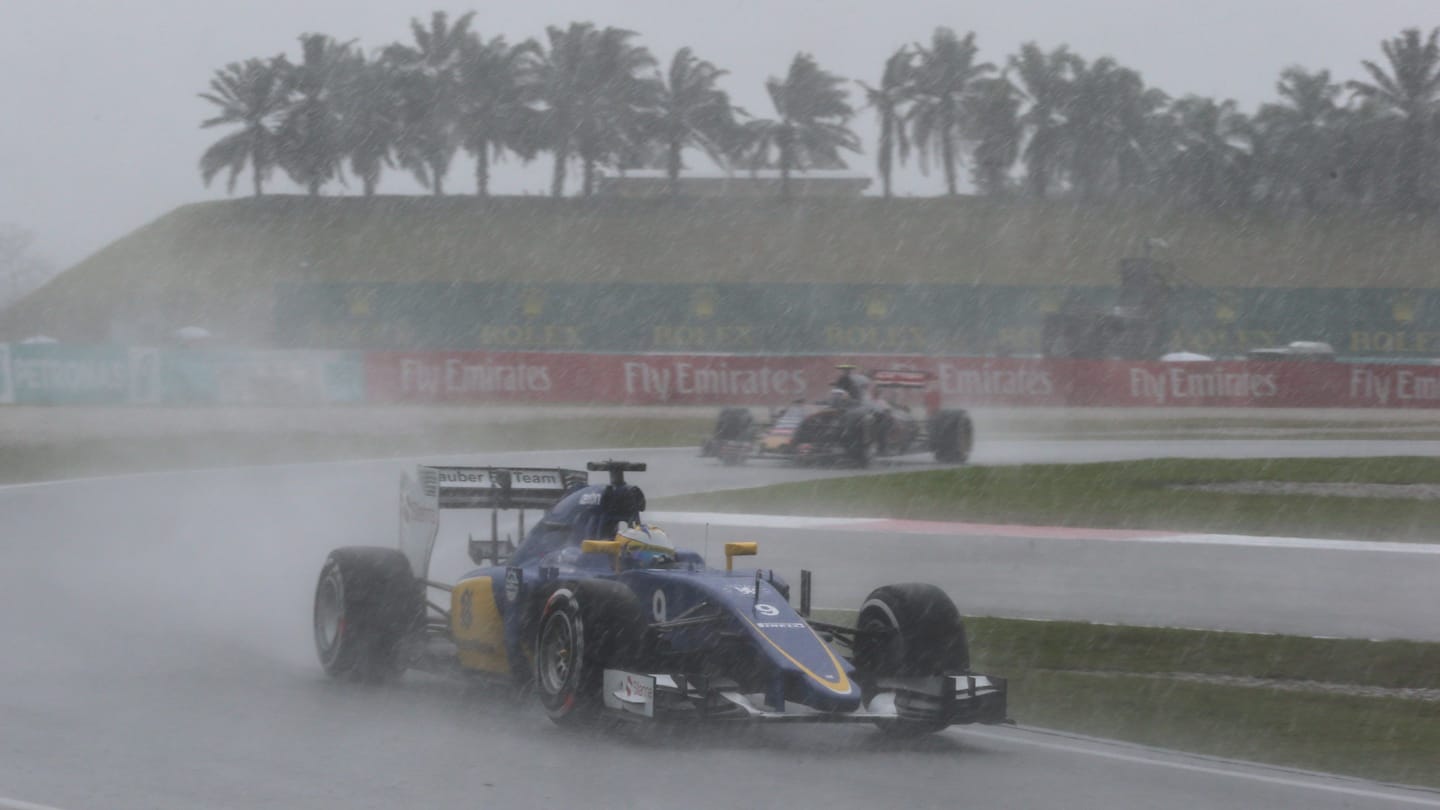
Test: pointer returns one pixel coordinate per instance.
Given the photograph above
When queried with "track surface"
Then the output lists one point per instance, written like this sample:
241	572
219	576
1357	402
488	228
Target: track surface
157	653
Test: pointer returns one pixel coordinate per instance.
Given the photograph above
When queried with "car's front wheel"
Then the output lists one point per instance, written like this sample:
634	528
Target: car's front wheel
910	630
952	436
584	627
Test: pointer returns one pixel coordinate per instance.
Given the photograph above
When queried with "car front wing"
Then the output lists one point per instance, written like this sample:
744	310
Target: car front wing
939	700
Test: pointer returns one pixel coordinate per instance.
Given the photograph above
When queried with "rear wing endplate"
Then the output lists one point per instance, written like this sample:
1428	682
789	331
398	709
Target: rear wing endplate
434	489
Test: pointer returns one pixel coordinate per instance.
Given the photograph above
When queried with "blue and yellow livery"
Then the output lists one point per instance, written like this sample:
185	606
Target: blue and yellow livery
603	615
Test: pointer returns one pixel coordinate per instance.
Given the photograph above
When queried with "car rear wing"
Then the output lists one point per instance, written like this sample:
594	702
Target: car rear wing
901	378
435	489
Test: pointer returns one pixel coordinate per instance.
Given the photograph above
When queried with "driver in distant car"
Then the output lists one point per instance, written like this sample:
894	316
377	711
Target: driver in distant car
852	384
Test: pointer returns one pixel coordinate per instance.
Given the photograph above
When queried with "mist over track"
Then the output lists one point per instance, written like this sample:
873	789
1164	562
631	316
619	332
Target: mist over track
158	654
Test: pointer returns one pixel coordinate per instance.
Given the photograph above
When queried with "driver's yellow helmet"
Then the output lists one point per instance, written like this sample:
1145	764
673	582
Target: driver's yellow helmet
648	545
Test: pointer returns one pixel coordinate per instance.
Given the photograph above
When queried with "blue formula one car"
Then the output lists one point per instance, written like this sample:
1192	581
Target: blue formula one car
601	615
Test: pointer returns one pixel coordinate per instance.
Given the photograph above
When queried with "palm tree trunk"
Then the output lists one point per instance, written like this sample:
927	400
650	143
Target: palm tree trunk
947	155
369	182
313	188
1039	170
255	177
437	179
786	156
587	178
672	167
557	176
947	144
482	170
887	147
1416	166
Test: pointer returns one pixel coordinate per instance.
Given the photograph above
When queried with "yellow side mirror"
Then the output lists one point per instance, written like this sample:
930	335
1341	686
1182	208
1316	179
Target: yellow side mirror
611	547
733	550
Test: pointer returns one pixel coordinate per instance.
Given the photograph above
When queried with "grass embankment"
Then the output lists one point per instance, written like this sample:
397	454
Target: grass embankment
1125	495
1169	688
96	455
216	263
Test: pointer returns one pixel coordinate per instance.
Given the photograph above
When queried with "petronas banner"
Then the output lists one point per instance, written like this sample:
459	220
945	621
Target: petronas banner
757	318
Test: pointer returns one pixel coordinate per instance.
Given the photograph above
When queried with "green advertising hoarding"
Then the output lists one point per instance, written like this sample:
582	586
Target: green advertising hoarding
259	376
59	374
826	318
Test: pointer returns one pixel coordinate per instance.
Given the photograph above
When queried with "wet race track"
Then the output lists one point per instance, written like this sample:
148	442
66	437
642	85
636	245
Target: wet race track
158	654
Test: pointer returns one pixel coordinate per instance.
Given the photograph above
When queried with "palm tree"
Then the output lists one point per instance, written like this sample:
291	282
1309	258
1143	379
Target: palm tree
254	94
559	86
370	105
1370	149
311	150
888	100
496	85
1210	167
428	77
617	99
992	124
943	76
593	96
1300	136
690	110
1106	127
1408	91
1044	78
810	129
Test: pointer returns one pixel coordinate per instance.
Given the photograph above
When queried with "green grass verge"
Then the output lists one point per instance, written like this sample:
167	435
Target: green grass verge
1126	495
96	456
1386	739
1119	683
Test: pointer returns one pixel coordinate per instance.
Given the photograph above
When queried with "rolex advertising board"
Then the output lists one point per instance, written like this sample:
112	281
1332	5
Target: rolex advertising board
764	318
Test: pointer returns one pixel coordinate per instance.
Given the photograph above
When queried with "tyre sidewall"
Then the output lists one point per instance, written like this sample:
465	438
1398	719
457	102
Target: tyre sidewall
380	602
927	635
606	625
562	700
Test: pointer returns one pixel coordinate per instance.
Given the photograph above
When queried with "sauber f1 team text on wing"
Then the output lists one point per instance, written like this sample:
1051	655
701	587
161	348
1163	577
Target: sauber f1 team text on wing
602	615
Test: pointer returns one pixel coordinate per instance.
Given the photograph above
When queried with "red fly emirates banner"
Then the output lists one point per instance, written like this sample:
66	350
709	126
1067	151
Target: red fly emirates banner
702	379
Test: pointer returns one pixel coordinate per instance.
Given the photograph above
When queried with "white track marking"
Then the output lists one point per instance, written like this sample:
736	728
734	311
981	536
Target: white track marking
1319	783
16	804
898	527
1296	543
741	521
344	462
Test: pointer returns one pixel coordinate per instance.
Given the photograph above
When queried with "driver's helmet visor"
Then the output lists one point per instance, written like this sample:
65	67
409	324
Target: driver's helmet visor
647	545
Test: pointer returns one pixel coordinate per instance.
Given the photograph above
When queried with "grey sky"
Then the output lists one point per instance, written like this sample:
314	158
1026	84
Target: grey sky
101	116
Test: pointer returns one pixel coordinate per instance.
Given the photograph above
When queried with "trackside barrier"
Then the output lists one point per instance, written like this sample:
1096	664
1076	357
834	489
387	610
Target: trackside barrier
62	374
706	379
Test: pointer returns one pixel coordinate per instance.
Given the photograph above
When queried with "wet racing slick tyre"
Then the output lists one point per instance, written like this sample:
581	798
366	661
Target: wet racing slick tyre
911	629
952	435
734	424
583	628
857	436
366	603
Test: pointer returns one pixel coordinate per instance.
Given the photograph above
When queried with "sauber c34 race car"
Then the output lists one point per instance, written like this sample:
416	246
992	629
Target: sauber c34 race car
599	614
890	413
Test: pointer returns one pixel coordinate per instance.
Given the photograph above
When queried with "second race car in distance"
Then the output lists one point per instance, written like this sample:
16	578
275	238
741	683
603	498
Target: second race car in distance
891	412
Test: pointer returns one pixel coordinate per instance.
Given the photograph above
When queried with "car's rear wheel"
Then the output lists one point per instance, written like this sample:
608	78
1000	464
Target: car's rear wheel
584	628
366	603
909	630
857	437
